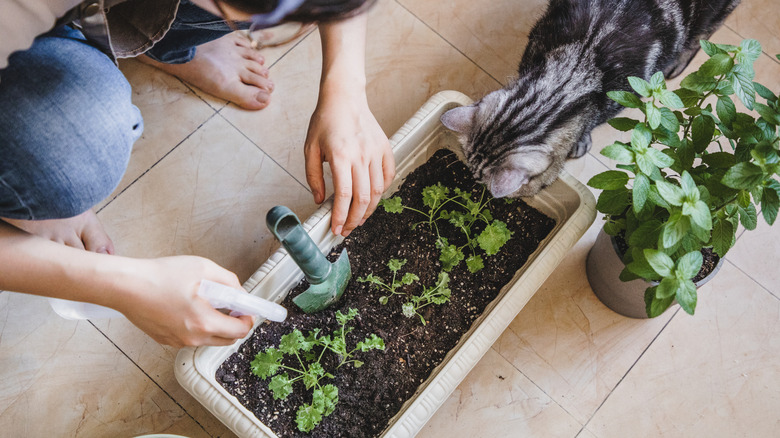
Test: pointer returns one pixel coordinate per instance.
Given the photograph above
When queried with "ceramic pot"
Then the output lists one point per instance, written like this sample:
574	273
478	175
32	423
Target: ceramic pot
627	298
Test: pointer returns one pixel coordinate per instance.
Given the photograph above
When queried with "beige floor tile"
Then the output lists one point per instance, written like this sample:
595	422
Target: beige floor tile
714	374
495	400
571	345
209	198
63	378
492	34
756	255
758	19
171	111
406	64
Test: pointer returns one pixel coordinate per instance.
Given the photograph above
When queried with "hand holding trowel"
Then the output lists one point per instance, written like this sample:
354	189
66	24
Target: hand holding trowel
327	280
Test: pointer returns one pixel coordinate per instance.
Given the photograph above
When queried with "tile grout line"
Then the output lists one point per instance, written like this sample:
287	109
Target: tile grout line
157	162
149	377
771	57
751	278
447	41
263	152
641	355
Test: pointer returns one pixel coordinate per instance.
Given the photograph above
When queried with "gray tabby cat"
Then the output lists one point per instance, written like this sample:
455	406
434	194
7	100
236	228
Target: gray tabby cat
517	139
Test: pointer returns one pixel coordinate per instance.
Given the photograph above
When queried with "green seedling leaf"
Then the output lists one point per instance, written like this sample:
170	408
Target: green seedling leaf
474	263
434	196
493	237
392	205
395	264
307	418
267	363
281	386
450	256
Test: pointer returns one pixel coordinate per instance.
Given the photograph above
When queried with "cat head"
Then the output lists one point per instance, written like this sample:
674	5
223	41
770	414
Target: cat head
514	147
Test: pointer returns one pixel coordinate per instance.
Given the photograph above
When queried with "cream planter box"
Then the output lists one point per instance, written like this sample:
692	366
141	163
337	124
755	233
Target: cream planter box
567	201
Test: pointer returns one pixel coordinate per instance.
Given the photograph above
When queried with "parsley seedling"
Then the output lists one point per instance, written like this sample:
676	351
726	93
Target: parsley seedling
394	284
305	365
466	214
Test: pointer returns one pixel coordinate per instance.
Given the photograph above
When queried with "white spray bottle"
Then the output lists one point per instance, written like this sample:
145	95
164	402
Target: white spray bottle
218	295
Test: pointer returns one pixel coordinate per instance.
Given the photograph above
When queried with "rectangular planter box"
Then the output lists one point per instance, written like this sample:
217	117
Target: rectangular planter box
567	201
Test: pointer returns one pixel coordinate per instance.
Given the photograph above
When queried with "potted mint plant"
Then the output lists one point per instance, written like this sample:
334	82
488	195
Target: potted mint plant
694	169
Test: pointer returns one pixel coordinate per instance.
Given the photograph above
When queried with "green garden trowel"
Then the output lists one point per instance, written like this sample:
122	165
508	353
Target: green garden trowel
327	280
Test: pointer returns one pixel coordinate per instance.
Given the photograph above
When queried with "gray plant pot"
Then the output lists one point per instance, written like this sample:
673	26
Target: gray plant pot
603	267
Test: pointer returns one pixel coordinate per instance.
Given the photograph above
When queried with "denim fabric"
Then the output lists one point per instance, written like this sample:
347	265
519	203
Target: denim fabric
67	126
192	27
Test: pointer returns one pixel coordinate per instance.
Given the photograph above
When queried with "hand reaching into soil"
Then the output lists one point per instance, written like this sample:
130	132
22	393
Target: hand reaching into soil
345	133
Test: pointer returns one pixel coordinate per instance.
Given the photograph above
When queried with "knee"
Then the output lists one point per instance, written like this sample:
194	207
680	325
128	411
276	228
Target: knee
68	128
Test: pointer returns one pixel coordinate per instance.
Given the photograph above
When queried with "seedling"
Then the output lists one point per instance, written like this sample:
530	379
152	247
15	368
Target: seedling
467	214
299	359
438	294
394	284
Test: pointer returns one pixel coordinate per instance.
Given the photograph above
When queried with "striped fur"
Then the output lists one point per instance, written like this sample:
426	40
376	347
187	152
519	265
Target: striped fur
517	139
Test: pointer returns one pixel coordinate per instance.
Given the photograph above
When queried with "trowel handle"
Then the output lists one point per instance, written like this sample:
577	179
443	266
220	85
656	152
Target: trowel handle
286	227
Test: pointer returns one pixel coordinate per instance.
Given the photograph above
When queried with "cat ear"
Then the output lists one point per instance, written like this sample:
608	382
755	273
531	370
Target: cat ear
506	181
459	119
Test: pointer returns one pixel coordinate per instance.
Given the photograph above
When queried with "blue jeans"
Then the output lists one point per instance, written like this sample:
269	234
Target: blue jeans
67	122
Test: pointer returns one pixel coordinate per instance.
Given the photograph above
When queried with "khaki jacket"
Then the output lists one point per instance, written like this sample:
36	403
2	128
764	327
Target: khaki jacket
120	28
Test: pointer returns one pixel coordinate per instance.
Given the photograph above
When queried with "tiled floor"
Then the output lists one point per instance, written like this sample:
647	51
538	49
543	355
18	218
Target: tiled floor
205	172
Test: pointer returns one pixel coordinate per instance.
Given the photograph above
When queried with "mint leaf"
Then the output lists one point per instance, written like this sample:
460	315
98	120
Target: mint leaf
619	153
624	124
743	176
722	236
689	265
625	98
686	296
640	86
609	180
718	64
661	263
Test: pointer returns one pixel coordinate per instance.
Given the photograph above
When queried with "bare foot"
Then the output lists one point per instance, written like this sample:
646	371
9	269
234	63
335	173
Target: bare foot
226	68
83	231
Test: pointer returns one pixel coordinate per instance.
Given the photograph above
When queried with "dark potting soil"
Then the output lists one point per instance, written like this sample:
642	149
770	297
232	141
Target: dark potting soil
371	395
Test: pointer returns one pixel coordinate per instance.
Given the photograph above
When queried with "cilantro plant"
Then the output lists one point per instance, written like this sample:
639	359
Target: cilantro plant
694	170
436	294
465	215
395	265
299	359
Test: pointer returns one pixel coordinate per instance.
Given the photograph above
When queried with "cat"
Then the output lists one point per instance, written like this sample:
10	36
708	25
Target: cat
517	139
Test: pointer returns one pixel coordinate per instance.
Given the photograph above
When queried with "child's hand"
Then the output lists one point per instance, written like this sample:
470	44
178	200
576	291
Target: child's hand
345	134
163	302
